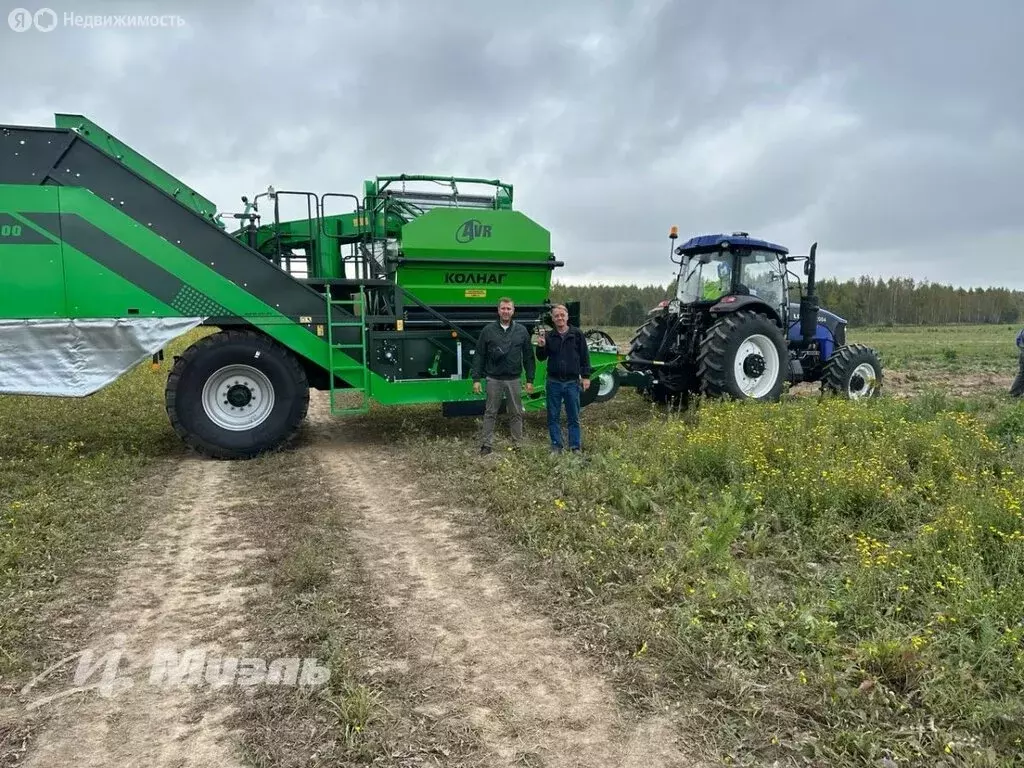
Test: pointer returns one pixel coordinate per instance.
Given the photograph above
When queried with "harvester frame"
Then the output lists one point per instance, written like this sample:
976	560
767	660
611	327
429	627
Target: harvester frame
107	258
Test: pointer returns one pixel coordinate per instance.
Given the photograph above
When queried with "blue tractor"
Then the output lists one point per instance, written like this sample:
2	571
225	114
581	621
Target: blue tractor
734	330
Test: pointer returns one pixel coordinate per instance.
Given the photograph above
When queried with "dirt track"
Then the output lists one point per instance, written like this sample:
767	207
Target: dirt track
481	661
900	384
490	661
177	593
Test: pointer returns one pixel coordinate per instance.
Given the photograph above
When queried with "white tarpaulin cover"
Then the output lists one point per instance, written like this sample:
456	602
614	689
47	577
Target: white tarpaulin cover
74	358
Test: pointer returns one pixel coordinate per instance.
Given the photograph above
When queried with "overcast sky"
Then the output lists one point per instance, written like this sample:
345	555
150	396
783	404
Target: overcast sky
890	131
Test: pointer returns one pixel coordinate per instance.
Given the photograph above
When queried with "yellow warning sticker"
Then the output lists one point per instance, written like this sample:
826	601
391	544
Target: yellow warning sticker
476	293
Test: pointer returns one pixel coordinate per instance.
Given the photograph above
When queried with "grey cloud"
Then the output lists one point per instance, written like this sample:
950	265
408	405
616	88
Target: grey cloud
890	132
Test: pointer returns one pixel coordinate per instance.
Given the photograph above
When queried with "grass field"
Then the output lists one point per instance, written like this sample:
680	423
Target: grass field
955	349
960	360
815	581
823	581
830	581
68	468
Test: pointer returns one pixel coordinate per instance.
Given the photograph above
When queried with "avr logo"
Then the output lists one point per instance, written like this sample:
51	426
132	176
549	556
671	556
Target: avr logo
471	230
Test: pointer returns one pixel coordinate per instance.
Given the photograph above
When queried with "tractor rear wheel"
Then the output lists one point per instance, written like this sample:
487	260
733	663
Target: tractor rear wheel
644	346
236	394
853	372
648	338
743	356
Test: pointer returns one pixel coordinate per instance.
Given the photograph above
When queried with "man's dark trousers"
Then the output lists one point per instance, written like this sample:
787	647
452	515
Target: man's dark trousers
1017	387
567	393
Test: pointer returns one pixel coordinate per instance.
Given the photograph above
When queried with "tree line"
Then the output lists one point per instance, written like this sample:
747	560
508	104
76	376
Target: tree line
864	301
615	305
902	301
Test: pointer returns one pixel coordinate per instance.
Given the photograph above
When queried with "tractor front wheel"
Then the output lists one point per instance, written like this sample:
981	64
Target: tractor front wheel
853	372
743	356
236	394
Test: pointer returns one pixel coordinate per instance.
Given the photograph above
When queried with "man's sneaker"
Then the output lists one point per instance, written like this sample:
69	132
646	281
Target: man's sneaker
484	450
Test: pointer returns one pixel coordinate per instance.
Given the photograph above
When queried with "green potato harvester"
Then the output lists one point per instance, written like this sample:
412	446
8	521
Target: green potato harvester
105	258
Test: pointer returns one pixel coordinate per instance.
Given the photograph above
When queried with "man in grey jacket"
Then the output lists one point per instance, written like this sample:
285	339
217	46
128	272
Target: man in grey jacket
502	352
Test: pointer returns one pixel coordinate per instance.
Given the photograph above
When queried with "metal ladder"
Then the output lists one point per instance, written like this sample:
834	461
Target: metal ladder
358	307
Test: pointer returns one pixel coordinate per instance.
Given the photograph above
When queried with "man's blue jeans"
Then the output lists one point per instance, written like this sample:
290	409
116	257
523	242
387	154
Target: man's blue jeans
565	393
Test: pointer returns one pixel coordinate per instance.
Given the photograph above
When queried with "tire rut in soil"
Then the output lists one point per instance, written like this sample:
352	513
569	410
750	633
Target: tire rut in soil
490	661
176	593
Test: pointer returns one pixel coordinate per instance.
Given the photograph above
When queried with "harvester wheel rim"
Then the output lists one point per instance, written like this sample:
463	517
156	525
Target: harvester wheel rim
238	397
761	349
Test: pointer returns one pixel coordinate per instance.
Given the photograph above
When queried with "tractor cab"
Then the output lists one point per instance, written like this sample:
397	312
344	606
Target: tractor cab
714	267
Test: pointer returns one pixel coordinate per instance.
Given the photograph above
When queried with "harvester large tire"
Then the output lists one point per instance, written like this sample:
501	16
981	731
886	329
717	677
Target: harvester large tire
236	394
853	372
743	356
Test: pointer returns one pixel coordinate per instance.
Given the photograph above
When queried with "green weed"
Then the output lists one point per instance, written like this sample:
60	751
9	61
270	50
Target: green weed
835	581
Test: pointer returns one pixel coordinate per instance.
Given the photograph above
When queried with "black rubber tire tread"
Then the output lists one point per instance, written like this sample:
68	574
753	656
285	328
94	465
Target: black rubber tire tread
183	394
717	348
836	375
590	396
644	345
647	339
614	390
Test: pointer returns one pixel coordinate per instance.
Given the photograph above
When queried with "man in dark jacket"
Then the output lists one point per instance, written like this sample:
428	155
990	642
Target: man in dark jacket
1017	387
568	370
502	352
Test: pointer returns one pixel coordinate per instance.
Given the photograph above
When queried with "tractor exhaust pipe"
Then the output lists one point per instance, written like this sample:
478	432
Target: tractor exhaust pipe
809	301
